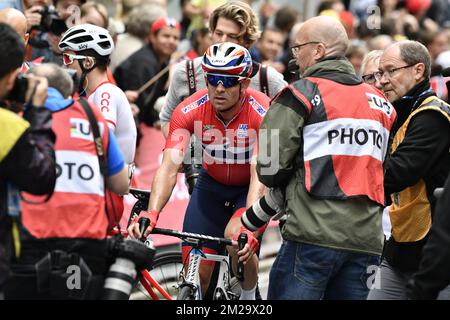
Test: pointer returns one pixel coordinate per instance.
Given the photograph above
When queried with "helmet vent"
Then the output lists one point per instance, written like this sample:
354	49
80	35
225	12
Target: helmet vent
229	50
215	48
72	34
102	36
104	44
82	39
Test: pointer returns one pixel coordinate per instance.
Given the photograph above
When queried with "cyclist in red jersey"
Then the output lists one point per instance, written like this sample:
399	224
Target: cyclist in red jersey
225	117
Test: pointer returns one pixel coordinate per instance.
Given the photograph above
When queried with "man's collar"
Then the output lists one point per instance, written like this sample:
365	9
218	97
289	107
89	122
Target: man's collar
335	68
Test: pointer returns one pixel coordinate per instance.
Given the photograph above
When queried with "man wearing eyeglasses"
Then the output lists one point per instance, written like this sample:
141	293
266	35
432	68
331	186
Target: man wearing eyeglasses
419	162
333	138
225	118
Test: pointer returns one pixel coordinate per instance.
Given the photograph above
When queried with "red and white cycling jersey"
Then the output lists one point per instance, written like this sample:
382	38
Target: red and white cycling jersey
113	103
227	148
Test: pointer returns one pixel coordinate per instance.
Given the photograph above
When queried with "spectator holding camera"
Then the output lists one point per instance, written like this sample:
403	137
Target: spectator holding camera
47	20
27	159
51	229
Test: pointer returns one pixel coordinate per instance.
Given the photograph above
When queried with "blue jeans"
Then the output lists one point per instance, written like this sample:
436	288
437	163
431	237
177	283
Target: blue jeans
310	272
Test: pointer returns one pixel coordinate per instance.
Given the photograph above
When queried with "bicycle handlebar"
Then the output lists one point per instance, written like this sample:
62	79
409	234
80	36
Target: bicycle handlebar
438	192
143	197
143	225
187	235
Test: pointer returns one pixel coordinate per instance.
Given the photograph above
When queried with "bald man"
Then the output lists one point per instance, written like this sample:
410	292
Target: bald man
16	20
330	134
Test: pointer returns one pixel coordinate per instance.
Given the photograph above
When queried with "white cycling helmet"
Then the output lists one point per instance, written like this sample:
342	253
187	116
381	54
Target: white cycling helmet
87	37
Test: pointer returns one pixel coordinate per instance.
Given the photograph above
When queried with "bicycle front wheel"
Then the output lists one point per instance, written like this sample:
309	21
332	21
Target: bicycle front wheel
165	270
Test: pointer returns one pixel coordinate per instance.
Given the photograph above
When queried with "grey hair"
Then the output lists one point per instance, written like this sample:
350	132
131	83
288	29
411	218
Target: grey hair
141	19
413	52
56	76
371	56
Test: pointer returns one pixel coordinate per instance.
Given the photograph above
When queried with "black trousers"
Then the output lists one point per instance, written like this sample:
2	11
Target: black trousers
77	272
6	249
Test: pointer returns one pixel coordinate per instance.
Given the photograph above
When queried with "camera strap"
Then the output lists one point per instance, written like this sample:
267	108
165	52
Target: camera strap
190	72
263	80
100	151
97	137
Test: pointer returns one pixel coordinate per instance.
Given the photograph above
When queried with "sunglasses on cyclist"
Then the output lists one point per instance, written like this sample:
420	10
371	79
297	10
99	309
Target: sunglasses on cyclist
68	58
226	81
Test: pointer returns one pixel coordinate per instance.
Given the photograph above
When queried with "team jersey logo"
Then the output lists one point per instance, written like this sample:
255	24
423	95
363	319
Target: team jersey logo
195	104
379	103
81	129
242	131
258	108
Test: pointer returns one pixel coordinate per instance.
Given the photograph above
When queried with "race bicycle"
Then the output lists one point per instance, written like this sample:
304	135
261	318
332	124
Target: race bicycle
167	272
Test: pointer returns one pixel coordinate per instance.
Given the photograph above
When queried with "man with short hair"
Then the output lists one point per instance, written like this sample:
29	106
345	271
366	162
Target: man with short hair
73	223
86	49
328	161
89	56
27	159
225	118
419	162
269	48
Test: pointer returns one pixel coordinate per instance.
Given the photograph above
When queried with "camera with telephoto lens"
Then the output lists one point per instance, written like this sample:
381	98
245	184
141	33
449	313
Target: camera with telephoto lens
51	21
19	90
130	257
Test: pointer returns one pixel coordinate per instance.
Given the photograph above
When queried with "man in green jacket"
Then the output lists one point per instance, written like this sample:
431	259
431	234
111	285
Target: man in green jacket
330	135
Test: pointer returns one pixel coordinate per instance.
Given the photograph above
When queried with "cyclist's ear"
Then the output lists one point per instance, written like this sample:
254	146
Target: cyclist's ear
245	84
89	62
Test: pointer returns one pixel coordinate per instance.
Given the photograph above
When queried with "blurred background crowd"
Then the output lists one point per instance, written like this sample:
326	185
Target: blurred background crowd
370	24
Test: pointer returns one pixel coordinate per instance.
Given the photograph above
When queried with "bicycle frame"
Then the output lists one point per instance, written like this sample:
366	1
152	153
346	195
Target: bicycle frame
147	282
192	277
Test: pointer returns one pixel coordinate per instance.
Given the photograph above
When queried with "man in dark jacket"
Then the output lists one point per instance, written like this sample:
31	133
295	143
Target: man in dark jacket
27	159
433	275
418	164
145	63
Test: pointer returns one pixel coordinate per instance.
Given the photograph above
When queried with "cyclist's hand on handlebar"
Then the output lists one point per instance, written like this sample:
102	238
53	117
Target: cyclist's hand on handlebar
133	229
250	248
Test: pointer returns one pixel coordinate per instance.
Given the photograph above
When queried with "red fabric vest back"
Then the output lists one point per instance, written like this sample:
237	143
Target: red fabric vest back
346	136
77	206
